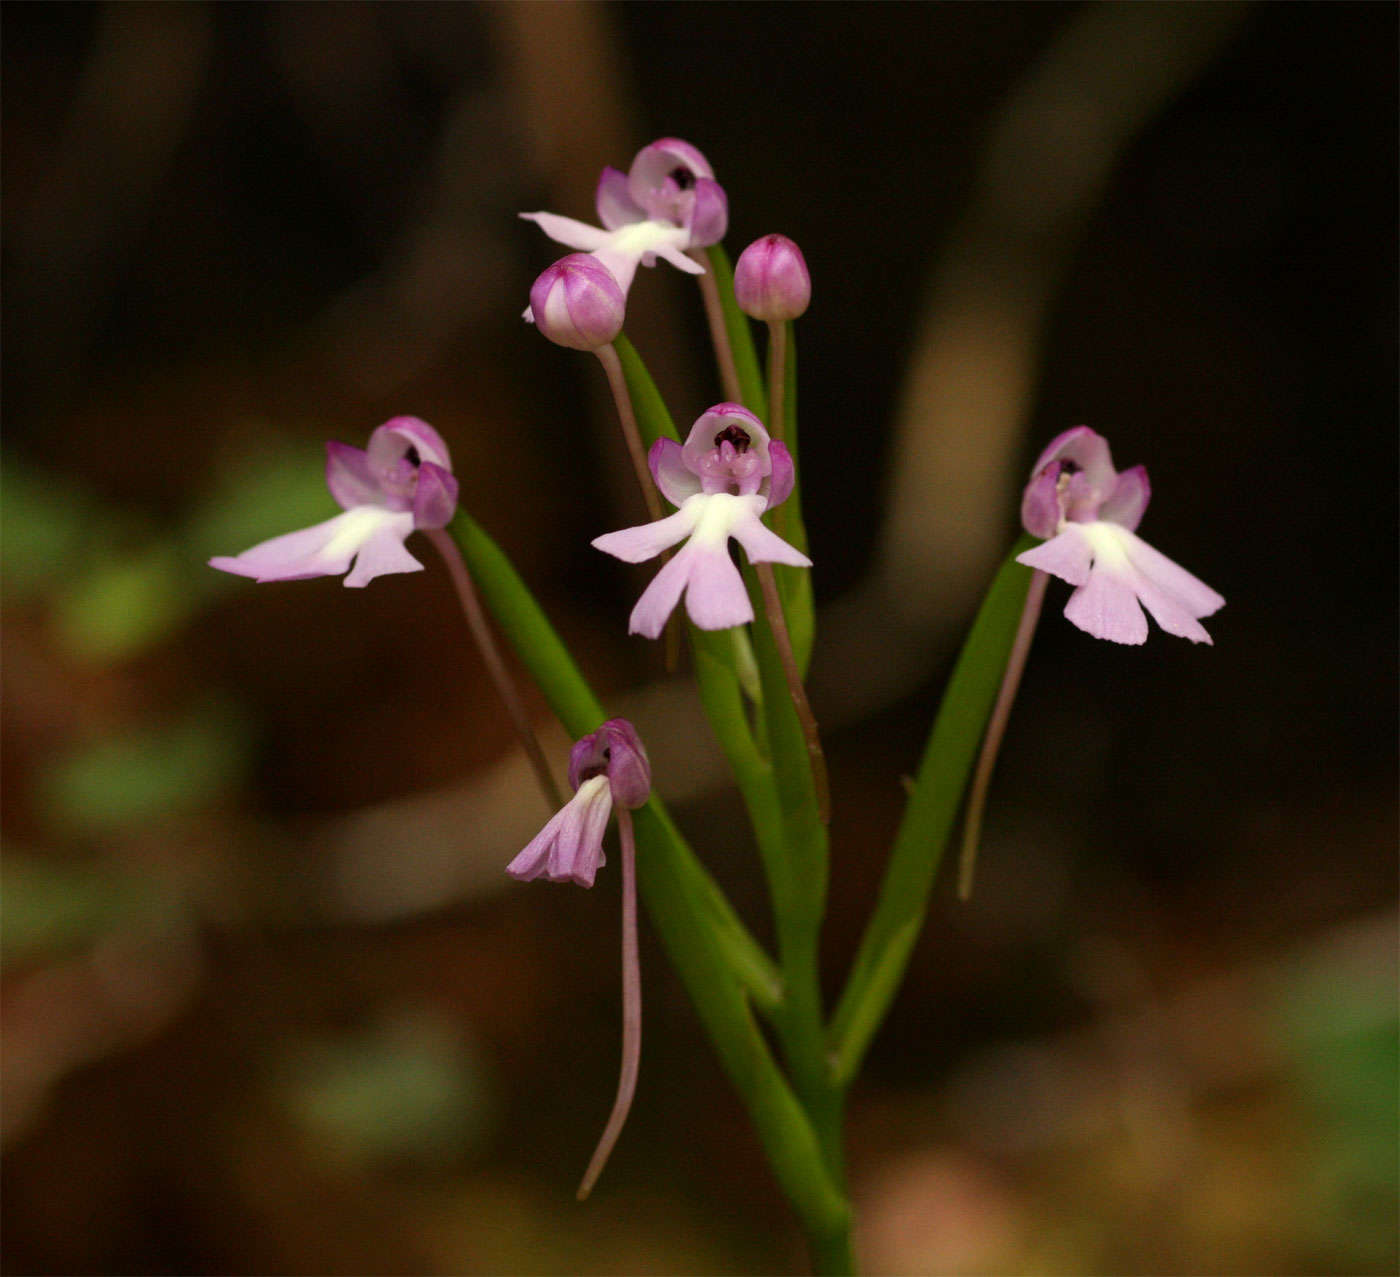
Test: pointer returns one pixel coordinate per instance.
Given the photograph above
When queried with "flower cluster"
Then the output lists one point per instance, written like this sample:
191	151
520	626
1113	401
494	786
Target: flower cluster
1090	512
723	481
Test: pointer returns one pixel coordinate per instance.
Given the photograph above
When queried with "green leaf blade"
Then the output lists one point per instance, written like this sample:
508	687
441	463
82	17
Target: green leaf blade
928	818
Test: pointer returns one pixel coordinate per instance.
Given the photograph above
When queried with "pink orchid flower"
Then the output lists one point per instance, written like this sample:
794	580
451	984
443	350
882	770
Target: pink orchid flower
606	767
723	479
400	483
1090	512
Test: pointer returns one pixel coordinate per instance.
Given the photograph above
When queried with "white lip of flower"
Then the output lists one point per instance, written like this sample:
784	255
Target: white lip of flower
714	591
716	513
1107	541
368	534
639	238
358	525
1114	570
622	250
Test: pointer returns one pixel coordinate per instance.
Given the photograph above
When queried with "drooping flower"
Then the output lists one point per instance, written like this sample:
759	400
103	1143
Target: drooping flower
771	280
1090	512
605	767
576	302
725	476
667	202
401	482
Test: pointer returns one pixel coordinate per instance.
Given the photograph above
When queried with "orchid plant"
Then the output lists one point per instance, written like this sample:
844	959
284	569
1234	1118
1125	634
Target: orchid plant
748	615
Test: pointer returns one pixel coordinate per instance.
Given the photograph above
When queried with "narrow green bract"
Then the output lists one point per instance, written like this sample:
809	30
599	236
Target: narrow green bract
928	818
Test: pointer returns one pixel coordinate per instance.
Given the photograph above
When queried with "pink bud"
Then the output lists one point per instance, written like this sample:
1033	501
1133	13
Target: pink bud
577	303
771	281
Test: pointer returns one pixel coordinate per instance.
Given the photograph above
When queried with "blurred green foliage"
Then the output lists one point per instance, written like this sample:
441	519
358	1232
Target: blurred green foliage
409	1090
144	775
279	489
1341	1021
53	908
43	528
119	585
123	603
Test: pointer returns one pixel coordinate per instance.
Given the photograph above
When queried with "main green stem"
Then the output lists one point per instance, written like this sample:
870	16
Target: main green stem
798	781
797	907
804	1047
774	770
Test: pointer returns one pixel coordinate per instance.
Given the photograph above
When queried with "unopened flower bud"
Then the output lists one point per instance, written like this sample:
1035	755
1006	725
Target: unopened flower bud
577	303
771	281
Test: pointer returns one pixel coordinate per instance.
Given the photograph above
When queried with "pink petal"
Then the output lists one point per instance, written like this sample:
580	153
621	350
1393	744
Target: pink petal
349	477
616	751
615	206
1088	450
435	498
763	545
636	545
715	596
1128	500
1066	556
674	254
709	214
654	162
395	437
1175	581
709	424
1107	607
650	184
1168	612
569	231
570	847
783	475
659	599
1040	502
667	464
